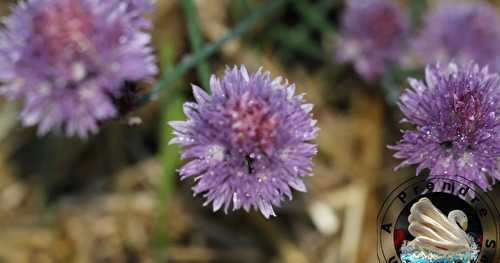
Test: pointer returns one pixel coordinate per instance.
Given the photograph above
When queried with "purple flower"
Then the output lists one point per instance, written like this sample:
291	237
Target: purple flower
247	141
68	60
456	114
136	10
461	32
373	35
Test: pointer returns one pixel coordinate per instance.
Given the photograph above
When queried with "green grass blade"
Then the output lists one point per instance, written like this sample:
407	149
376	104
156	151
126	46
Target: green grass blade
189	61
196	39
171	109
313	17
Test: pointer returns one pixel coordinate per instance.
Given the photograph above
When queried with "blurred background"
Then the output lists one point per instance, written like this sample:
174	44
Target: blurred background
116	196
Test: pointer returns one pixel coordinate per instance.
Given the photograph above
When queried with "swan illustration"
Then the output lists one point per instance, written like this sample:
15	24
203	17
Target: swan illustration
438	238
436	232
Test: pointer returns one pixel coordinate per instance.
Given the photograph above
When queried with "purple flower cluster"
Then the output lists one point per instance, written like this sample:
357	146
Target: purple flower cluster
456	114
462	32
247	141
67	60
373	37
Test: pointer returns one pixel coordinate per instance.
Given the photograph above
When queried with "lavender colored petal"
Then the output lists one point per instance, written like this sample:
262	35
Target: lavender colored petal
457	128
67	61
461	32
246	142
373	36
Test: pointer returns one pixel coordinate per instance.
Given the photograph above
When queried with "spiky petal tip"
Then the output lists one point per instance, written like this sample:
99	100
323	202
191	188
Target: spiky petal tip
247	142
460	31
456	113
68	60
373	36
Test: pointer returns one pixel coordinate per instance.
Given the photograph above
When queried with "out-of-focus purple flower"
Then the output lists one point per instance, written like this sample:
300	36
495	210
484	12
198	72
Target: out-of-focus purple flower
456	114
373	36
461	32
247	141
136	10
67	60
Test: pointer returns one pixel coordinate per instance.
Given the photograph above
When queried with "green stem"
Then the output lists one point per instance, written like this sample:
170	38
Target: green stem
393	80
190	61
324	6
391	94
313	17
296	39
196	39
416	8
171	110
390	86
